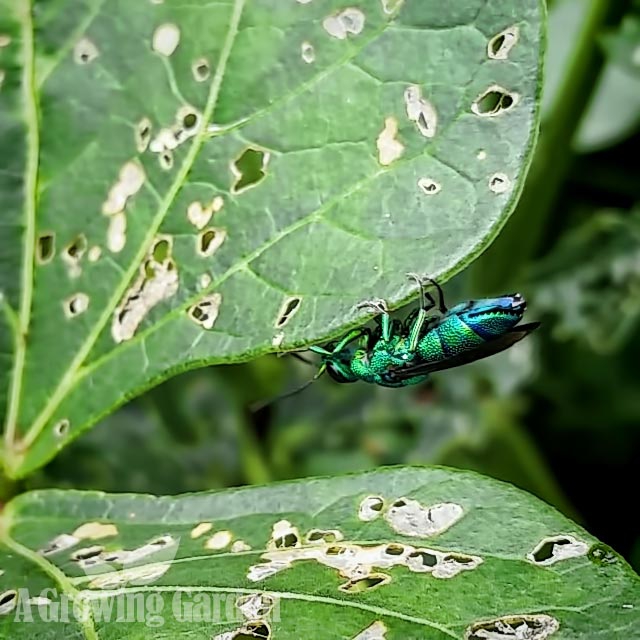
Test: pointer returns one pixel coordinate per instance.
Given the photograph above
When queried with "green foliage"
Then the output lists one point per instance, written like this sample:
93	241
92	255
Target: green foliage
286	201
175	185
486	556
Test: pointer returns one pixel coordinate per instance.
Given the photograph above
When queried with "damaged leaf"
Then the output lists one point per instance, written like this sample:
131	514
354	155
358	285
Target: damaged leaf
276	150
299	556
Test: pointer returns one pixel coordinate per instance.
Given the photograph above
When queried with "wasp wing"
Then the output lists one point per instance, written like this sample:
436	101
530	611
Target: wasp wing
483	351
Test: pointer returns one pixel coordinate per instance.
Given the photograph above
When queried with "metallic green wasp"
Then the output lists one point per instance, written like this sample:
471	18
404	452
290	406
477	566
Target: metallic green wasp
432	338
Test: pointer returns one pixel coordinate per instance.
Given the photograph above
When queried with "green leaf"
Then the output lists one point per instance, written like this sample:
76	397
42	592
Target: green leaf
489	558
199	182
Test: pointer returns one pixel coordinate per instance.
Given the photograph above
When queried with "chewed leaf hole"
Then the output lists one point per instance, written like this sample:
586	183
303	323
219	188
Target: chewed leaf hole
201	69
46	247
255	606
501	44
499	183
375	631
161	250
8	600
210	240
394	549
87	553
76	304
249	169
494	101
425	558
370	508
347	21
288	309
85	51
205	312
529	627
307	52
143	134
428	186
76	249
319	536
552	550
367	583
255	630
61	428
166	160
189	119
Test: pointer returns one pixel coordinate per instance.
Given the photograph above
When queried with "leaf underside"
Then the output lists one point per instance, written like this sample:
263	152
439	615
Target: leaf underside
176	176
510	578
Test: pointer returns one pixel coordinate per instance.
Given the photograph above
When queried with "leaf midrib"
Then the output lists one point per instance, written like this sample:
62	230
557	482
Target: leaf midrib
67	380
61	579
290	595
30	99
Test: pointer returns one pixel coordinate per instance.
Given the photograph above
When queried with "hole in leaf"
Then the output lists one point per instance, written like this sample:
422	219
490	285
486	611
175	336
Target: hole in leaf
46	247
190	120
454	557
370	508
289	308
205	312
394	549
546	550
535	627
365	584
161	250
249	169
429	186
290	540
87	553
166	160
500	45
76	304
253	630
499	183
210	240
494	101
427	559
61	428
329	536
308	53
256	606
143	134
8	601
201	69
335	551
76	249
206	239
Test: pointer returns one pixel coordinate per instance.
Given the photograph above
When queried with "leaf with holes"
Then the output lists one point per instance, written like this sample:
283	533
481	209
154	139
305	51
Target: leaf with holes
405	553
190	183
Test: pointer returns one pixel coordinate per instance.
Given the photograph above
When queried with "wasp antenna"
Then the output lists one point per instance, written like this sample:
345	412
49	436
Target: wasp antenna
287	394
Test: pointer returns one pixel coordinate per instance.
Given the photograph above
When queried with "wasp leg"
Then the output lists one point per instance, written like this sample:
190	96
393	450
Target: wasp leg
350	337
421	281
421	315
385	319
